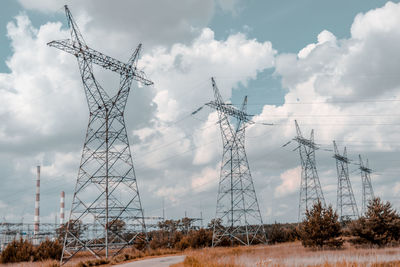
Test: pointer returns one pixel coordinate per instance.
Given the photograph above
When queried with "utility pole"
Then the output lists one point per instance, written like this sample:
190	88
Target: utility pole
163	210
310	187
106	187
346	204
238	216
36	240
367	191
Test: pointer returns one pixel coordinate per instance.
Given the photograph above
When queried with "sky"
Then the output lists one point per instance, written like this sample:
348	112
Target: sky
330	65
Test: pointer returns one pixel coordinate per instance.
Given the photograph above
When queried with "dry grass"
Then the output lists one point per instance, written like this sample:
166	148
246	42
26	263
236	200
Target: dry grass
288	254
292	254
47	263
85	258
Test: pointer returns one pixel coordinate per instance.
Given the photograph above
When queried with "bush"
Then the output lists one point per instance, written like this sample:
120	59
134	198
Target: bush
200	238
380	226
183	244
48	250
140	242
321	228
23	250
17	251
277	234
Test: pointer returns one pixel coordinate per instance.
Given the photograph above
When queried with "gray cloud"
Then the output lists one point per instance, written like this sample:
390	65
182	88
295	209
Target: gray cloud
176	155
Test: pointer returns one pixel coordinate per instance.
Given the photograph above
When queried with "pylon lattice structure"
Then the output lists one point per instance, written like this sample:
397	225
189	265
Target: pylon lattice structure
238	218
310	187
346	204
106	191
367	191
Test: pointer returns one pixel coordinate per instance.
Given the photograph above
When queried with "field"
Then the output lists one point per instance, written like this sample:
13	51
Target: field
85	257
287	254
292	254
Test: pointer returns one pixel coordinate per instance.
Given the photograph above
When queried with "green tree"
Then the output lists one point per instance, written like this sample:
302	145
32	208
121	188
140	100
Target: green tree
380	225
320	227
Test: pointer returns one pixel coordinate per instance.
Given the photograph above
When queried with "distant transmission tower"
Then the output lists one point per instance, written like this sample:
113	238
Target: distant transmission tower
238	218
346	204
367	191
310	187
106	190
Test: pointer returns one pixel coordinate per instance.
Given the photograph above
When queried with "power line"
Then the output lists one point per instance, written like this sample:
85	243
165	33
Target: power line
325	102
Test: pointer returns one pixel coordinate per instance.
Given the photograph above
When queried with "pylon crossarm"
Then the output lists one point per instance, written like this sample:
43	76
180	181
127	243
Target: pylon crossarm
306	142
341	158
102	60
365	169
230	111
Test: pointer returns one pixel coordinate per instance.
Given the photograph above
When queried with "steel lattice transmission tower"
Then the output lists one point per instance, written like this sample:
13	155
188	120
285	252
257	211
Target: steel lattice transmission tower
106	191
310	187
238	215
346	203
367	191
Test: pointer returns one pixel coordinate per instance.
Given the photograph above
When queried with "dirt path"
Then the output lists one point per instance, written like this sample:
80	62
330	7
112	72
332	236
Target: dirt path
155	262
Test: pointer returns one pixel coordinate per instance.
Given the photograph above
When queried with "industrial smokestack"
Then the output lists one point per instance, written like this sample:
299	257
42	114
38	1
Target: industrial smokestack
37	201
62	205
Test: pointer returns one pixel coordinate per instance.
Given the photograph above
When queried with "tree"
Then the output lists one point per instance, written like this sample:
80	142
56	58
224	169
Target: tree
277	234
320	228
185	224
380	225
117	226
215	223
76	228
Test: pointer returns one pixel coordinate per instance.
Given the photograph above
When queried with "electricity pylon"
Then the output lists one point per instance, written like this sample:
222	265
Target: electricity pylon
346	203
310	187
238	218
106	190
367	191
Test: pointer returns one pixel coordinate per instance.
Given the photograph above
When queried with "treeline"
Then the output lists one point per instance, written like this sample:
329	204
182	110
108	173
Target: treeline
23	250
380	226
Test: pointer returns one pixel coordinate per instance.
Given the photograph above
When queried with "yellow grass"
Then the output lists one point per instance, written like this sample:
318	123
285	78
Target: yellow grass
282	255
126	256
292	254
48	263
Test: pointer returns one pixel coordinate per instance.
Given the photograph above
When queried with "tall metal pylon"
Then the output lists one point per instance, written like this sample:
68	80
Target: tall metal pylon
238	218
367	191
346	204
310	187
106	190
